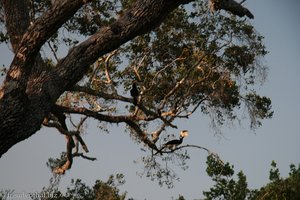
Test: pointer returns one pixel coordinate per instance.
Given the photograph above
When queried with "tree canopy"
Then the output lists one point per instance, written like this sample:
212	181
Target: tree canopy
227	186
182	57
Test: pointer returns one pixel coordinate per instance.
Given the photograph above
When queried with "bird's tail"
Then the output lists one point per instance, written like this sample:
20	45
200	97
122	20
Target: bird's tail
135	100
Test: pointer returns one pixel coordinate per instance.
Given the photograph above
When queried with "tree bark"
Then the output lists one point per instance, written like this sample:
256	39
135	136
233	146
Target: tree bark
29	91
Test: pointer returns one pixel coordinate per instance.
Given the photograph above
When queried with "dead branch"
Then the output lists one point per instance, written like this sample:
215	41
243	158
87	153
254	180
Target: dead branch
58	122
69	161
52	50
84	156
184	146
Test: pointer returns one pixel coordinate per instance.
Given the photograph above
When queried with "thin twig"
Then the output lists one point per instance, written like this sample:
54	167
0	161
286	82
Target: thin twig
53	51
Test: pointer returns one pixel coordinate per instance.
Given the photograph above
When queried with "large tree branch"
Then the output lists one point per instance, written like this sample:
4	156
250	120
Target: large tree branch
27	97
33	39
150	114
142	17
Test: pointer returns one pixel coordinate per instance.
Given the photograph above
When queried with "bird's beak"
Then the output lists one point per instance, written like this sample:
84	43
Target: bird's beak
184	133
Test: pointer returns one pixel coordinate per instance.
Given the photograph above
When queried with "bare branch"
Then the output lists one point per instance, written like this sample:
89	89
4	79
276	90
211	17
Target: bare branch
191	146
59	128
80	140
52	50
107	59
69	161
136	68
129	120
151	115
84	156
106	96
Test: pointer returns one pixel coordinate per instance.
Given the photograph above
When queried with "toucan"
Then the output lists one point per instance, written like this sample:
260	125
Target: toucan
134	92
174	143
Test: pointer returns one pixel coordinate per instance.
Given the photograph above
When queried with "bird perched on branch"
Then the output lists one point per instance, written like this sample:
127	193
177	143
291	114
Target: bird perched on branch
231	6
174	143
134	92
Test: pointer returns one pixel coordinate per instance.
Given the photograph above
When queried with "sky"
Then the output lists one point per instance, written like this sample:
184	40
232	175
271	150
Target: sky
23	167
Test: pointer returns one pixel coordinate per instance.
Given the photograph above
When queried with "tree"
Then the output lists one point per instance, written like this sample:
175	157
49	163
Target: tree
281	188
226	187
182	59
78	190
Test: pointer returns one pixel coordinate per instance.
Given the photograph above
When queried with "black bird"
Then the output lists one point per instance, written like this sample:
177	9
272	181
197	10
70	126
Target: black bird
174	143
134	92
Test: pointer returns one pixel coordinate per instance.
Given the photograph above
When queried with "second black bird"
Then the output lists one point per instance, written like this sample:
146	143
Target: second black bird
134	92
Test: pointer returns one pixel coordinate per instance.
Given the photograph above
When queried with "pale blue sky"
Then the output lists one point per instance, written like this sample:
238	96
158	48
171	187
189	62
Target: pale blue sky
23	166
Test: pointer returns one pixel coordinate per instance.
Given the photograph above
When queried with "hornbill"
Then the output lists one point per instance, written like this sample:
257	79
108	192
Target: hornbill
174	143
134	92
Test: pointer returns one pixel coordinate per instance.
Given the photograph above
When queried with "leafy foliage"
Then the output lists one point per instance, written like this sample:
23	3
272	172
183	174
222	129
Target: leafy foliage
194	61
226	187
281	188
78	190
210	60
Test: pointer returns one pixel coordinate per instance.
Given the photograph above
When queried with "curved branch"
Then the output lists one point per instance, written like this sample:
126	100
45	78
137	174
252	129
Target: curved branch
150	115
189	146
36	35
129	120
108	77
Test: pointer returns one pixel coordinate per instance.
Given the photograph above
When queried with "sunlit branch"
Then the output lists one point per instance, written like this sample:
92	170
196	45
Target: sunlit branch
155	134
69	161
178	84
70	142
136	68
172	91
107	59
68	164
